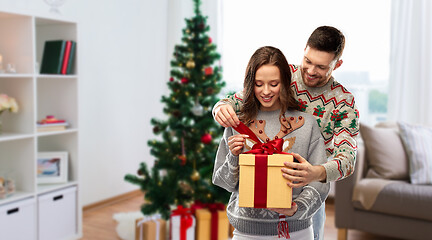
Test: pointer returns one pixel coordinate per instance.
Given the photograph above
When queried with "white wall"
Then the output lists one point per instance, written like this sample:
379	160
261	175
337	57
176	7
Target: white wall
123	75
123	68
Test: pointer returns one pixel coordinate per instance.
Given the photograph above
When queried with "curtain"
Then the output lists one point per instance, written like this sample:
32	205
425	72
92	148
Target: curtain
410	77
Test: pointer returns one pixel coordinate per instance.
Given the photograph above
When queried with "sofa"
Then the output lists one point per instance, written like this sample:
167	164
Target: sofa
390	191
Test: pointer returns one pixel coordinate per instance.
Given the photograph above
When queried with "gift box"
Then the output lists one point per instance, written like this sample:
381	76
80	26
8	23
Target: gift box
212	222
150	228
231	231
182	224
261	182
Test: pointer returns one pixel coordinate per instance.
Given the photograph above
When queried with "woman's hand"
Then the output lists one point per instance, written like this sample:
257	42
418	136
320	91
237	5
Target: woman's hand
286	211
236	143
226	116
302	173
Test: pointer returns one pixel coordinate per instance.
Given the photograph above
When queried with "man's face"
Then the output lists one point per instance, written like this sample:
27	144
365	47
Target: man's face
317	67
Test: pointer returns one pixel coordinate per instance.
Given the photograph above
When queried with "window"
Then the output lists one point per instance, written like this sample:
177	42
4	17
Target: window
250	24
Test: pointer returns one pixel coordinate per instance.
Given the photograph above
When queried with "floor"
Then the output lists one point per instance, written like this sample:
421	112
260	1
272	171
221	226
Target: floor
98	224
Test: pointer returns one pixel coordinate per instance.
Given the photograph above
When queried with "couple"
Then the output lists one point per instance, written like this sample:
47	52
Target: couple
323	142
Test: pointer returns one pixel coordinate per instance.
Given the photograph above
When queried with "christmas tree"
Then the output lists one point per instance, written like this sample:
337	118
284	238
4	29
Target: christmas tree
189	138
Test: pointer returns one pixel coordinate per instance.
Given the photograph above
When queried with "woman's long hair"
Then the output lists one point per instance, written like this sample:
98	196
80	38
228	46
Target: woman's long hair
266	56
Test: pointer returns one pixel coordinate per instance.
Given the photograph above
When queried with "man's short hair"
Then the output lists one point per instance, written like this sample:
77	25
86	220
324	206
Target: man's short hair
327	39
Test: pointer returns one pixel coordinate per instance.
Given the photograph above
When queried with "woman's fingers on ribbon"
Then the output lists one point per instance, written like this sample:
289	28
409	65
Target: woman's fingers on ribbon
237	138
237	150
236	143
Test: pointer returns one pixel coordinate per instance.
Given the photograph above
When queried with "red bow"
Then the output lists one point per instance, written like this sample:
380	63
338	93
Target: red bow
186	220
268	148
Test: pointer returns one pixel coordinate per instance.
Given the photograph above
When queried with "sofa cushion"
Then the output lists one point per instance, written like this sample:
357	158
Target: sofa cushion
386	157
403	199
418	145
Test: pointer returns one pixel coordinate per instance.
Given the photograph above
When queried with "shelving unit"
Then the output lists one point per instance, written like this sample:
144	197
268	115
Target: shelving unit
38	95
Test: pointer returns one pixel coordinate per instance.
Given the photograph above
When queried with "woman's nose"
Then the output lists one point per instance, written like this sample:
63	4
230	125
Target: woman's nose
266	89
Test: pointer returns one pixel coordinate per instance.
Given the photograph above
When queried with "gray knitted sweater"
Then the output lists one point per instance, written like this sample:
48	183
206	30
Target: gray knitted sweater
303	137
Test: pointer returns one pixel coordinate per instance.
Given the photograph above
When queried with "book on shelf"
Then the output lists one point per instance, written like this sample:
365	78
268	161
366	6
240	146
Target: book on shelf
50	123
51	128
52	57
47	127
71	58
58	56
66	54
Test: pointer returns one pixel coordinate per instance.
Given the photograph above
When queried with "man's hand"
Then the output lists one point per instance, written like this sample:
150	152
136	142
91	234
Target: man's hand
302	173
286	211
226	116
236	143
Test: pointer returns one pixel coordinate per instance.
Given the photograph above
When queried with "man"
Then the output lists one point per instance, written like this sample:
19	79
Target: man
332	105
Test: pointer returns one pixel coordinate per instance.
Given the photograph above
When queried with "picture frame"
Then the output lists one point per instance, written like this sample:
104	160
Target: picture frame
52	167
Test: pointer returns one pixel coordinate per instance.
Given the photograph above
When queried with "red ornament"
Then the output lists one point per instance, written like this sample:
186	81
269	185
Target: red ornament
210	40
206	138
184	80
208	71
182	159
171	79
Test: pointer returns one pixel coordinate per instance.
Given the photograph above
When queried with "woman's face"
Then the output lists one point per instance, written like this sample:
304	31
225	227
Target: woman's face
267	87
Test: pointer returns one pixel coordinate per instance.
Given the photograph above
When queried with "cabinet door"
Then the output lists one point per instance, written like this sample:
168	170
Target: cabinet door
18	220
58	214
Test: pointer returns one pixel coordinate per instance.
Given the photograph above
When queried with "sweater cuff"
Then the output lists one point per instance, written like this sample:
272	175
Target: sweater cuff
333	171
233	161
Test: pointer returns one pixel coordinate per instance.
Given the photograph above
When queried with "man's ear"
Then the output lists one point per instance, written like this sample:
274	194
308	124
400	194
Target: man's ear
338	64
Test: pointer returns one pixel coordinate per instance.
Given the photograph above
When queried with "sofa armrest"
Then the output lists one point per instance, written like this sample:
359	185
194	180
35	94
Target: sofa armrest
344	209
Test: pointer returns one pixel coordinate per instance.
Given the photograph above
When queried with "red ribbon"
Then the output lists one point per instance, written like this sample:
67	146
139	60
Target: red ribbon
186	220
213	208
260	188
268	148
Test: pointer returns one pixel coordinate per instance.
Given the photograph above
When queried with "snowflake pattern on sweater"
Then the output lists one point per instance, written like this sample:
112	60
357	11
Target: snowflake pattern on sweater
334	108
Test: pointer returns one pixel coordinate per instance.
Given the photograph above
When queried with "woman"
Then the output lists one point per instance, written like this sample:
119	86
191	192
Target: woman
271	111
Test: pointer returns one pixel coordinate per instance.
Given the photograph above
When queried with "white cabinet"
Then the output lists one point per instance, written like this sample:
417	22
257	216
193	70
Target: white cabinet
17	220
57	214
38	95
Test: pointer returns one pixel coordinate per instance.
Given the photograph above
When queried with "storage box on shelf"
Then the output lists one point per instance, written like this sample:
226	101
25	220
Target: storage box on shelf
57	209
38	95
18	220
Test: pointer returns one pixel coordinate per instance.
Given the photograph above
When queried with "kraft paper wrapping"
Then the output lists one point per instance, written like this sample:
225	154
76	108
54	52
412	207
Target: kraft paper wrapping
279	194
203	227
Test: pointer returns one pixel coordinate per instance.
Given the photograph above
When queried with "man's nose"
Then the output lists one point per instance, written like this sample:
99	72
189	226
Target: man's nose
311	70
